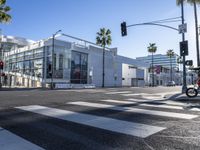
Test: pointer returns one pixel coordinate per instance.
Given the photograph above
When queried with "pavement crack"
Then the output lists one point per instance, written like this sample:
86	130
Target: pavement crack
150	147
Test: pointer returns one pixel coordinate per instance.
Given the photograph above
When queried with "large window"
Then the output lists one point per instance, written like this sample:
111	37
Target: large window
79	62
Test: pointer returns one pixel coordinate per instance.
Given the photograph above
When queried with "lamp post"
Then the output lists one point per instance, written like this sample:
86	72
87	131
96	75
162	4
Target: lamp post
52	57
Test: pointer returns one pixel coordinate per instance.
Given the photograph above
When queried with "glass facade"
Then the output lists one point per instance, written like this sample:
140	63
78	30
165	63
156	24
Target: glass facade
79	67
61	61
27	63
26	66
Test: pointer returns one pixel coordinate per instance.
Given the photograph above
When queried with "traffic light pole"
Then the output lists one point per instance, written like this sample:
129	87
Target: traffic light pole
184	87
159	23
52	63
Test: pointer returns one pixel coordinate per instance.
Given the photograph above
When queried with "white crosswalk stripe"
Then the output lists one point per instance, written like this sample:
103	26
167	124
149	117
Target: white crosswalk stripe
136	110
141	130
159	105
119	92
115	125
10	141
118	101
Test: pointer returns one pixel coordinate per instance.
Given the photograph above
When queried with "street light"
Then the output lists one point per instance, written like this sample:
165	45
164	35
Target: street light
52	68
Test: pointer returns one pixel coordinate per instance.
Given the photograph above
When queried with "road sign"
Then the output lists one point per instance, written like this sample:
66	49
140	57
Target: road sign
182	28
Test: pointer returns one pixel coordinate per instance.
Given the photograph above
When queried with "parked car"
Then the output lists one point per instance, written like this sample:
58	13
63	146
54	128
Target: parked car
171	83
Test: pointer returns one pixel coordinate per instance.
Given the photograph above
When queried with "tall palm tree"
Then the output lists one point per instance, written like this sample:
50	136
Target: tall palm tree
170	53
103	39
152	48
4	16
194	3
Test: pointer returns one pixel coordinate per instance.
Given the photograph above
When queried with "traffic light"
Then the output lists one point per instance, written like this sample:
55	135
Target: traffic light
1	65
123	29
184	48
189	62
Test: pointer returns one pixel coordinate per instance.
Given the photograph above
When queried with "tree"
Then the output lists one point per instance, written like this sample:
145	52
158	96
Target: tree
4	16
152	49
170	53
103	39
194	3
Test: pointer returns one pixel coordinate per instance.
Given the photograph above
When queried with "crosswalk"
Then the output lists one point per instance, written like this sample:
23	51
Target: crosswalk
100	123
10	141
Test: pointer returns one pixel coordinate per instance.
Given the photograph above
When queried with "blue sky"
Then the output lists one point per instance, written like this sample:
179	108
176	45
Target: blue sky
39	19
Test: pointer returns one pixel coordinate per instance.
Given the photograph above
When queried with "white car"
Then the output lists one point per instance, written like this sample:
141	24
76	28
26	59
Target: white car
171	83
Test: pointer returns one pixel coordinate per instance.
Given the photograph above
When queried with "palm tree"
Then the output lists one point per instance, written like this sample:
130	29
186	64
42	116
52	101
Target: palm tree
152	48
103	39
4	16
194	3
170	53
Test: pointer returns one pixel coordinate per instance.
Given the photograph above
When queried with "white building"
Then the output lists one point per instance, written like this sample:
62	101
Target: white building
74	65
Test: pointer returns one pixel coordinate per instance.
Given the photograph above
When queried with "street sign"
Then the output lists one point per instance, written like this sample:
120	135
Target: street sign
182	28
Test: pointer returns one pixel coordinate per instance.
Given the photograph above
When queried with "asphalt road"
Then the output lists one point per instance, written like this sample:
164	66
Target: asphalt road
110	118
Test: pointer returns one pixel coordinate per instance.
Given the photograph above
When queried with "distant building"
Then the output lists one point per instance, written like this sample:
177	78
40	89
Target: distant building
160	60
11	42
161	69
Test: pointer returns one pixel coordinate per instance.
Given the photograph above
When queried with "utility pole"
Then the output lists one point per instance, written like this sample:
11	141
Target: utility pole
184	87
197	36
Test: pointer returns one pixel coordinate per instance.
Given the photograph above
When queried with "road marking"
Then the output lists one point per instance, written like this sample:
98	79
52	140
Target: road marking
156	101
120	92
195	109
138	100
162	106
174	103
115	125
136	110
135	94
118	101
157	105
10	141
151	95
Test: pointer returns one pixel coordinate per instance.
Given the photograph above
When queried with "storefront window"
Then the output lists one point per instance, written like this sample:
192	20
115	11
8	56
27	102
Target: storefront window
79	64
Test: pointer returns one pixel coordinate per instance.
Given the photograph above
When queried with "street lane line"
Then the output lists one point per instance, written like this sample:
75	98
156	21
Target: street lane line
138	100
135	94
115	125
118	101
195	109
162	106
156	101
136	110
174	103
158	105
10	141
120	92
